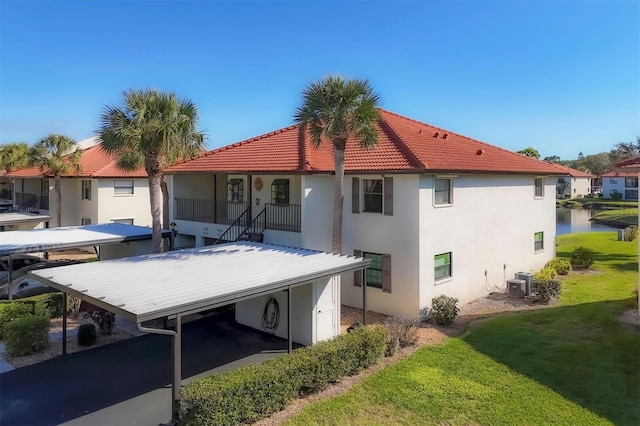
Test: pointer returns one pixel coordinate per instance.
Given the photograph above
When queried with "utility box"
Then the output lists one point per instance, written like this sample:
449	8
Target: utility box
620	234
516	288
527	277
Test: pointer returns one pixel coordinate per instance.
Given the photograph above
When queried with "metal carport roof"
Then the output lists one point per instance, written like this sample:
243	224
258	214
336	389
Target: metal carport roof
37	240
180	282
17	217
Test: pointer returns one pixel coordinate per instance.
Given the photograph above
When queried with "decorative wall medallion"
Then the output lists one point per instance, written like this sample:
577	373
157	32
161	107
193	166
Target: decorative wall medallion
258	184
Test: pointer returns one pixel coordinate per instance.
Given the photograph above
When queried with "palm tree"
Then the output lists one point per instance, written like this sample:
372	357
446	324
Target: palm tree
57	155
154	130
335	109
14	156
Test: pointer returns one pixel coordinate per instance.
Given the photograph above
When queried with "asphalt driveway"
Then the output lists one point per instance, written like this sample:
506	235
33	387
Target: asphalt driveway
127	383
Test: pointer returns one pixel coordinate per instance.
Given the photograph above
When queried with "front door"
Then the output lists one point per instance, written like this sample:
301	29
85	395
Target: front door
325	304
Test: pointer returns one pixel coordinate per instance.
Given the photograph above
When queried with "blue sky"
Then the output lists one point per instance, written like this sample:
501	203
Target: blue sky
562	76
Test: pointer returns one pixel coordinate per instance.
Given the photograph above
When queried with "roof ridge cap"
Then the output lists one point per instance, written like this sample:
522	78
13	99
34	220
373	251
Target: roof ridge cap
404	148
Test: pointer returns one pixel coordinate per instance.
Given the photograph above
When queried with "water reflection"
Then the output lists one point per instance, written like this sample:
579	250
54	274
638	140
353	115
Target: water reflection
577	220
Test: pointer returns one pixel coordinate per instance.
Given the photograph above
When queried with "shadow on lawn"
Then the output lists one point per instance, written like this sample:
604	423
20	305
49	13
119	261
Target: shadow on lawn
580	352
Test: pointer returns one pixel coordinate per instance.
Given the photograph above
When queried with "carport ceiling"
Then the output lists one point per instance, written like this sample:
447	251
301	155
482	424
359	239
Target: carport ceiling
153	286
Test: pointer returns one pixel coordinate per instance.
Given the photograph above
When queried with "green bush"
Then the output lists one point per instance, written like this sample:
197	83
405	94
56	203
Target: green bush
616	196
545	274
36	304
10	312
582	257
253	392
27	335
87	335
545	290
402	331
444	309
561	266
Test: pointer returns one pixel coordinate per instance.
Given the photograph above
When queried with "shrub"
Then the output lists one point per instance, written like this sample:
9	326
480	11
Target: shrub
545	290
444	309
36	304
545	274
87	335
616	196
582	257
630	233
402	331
10	312
561	266
55	304
425	314
252	392
27	335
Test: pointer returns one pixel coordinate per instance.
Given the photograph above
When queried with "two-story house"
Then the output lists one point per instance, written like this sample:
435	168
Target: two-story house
576	184
437	212
100	193
621	182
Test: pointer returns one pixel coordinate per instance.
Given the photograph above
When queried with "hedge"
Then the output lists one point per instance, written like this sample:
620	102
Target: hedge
10	312
27	335
252	392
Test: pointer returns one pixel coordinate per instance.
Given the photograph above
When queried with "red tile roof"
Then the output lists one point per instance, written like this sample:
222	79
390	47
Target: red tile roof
96	163
573	172
405	145
631	164
620	173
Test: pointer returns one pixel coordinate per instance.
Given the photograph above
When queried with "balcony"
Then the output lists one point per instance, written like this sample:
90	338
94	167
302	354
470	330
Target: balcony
283	217
209	211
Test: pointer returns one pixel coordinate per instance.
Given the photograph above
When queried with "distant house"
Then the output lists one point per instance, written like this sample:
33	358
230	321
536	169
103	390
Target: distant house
437	212
576	184
100	193
621	182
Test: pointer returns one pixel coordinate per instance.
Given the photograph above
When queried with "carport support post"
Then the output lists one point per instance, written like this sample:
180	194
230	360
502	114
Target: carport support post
64	323
9	279
364	296
289	317
177	370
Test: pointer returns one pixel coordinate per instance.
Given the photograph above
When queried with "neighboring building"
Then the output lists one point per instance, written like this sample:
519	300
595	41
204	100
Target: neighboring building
576	184
437	212
622	182
100	193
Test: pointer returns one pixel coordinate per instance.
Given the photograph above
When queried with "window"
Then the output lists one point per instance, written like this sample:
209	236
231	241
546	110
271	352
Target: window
234	190
442	266
372	195
539	187
443	191
613	181
280	191
630	194
85	221
122	187
374	272
631	182
124	221
538	241
86	190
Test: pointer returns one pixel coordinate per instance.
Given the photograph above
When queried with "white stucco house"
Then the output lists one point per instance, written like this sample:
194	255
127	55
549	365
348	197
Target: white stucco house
576	183
99	193
622	182
437	212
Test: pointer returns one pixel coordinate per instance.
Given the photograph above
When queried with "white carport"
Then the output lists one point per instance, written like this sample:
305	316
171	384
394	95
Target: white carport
15	219
48	239
183	282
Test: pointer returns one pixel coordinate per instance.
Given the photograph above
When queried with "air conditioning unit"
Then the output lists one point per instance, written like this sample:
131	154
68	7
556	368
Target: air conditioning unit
527	277
516	288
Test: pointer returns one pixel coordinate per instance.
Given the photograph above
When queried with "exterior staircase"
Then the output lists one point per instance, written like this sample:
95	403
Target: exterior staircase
253	230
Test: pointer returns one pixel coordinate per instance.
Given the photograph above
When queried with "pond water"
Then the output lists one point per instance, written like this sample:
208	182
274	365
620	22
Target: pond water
577	220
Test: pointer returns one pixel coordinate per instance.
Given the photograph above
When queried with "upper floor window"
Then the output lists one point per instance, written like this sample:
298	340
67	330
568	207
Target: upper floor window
122	187
613	181
234	190
377	195
86	189
124	221
631	182
280	191
539	187
538	241
372	195
443	193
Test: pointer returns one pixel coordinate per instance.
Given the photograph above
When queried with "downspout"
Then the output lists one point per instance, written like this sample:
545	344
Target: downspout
177	363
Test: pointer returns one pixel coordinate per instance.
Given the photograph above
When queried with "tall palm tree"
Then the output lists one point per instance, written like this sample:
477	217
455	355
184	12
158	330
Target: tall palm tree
14	156
335	110
154	130
57	155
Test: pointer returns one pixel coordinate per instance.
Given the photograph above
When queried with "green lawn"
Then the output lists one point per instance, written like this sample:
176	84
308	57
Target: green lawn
600	201
569	364
623	217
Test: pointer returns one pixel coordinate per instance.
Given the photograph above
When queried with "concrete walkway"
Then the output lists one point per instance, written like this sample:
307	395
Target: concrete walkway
128	382
122	324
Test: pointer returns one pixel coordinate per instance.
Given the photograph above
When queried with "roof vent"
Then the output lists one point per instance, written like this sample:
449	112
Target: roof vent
480	152
445	135
436	134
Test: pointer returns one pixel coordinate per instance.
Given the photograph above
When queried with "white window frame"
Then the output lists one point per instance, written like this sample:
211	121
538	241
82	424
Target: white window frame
537	249
124	220
449	202
371	269
449	265
86	189
535	187
119	188
85	221
364	195
613	181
